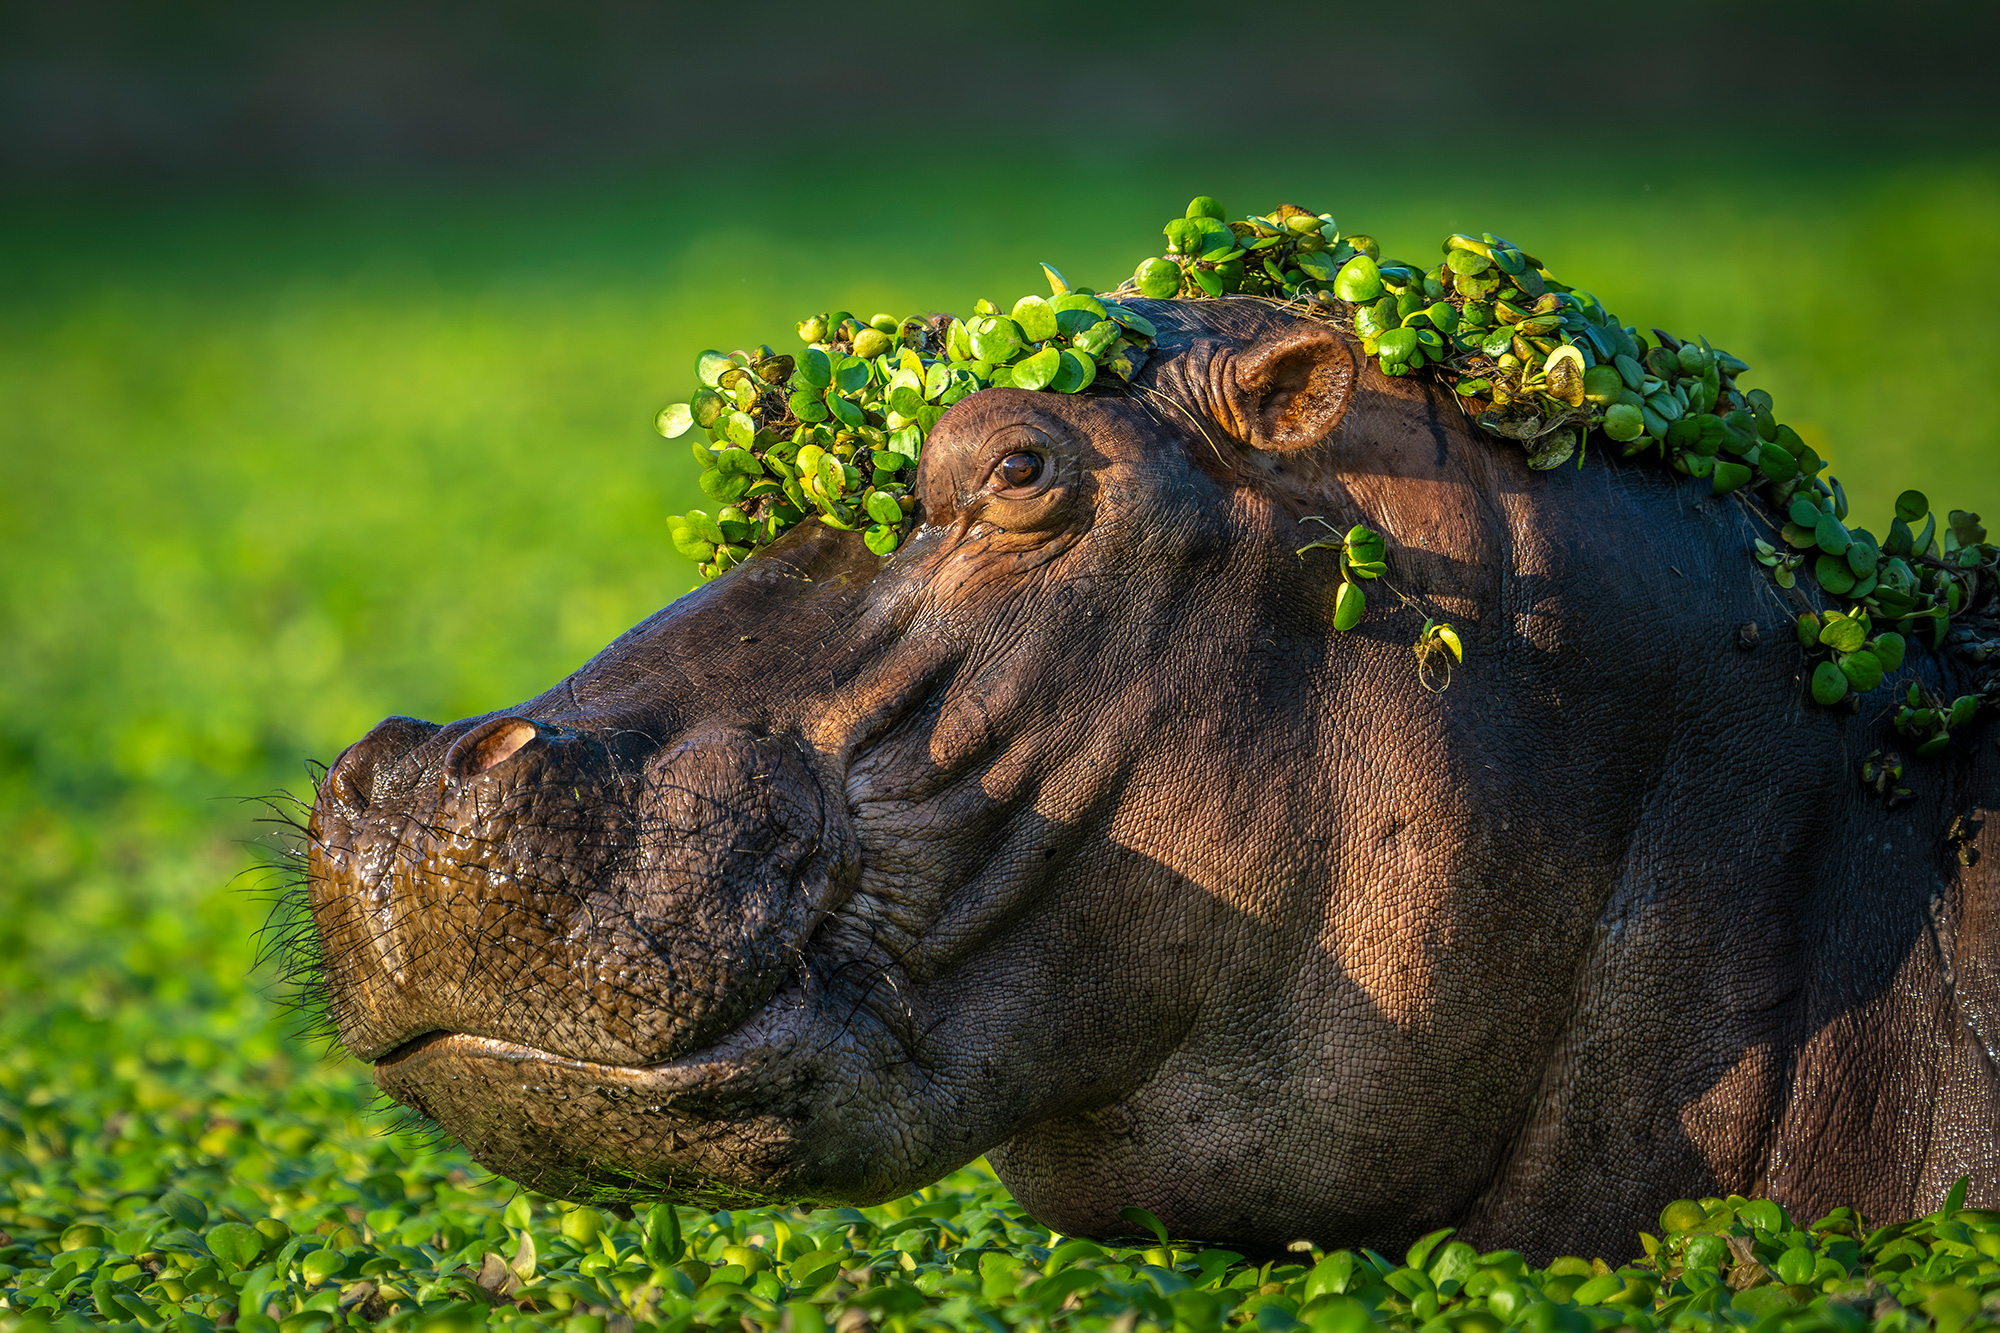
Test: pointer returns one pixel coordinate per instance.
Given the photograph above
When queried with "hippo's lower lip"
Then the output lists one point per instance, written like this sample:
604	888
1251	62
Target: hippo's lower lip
411	1060
580	1129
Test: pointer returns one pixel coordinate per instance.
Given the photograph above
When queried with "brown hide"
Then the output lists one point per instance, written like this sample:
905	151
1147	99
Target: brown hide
1072	834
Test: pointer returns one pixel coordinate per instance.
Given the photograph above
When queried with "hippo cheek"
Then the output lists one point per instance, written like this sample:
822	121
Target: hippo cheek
737	858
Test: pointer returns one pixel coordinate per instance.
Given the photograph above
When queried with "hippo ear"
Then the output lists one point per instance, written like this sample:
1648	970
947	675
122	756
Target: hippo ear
1290	391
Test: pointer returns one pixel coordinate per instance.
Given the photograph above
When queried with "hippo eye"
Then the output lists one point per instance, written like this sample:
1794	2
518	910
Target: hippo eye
1020	469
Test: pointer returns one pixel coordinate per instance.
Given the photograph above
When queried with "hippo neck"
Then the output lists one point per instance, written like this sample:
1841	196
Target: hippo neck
1814	1026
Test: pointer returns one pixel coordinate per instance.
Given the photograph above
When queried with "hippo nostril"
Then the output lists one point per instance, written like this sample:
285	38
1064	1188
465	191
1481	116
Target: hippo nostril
358	777
487	745
350	780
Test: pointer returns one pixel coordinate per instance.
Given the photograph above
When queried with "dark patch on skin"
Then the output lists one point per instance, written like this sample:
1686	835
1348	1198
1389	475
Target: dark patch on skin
1437	427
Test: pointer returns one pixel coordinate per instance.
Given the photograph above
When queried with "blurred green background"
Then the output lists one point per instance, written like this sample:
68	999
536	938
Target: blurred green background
304	425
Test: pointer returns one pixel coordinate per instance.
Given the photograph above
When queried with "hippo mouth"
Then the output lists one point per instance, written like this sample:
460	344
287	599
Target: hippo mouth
573	1127
420	1059
423	1061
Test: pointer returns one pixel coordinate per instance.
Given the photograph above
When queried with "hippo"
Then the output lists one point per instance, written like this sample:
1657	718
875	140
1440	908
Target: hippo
1072	835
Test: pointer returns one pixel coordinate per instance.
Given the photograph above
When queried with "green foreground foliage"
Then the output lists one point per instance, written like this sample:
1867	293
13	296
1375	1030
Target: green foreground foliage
202	1180
272	469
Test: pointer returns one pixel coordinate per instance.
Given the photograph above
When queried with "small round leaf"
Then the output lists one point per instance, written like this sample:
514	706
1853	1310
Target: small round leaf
1132	319
1349	605
1729	477
1078	372
815	369
1624	422
882	507
1159	278
323	1264
1078	301
687	541
235	1244
1775	463
711	366
191	1213
1682	1215
674	420
1829	684
844	410
707	528
1036	317
1359	280
1037	371
1365	544
1833	574
1843	634
995	338
1396	344
850	374
1863	670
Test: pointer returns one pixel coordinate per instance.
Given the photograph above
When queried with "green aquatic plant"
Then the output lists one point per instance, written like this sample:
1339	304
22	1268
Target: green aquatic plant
1437	648
835	431
1363	555
318	1235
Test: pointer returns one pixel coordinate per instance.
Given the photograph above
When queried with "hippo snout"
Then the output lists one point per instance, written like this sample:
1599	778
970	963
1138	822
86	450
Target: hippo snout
386	761
594	897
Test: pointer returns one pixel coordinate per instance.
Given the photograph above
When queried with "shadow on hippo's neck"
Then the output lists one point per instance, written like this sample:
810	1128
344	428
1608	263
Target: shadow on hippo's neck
1612	1121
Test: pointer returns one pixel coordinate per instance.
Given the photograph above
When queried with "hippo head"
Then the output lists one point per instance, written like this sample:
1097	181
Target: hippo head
1070	833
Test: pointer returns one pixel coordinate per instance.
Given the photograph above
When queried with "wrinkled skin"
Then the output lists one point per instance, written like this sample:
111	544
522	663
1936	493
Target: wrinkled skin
1071	834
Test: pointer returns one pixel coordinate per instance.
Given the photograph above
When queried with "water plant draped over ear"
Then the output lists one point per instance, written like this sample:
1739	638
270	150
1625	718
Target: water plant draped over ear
831	433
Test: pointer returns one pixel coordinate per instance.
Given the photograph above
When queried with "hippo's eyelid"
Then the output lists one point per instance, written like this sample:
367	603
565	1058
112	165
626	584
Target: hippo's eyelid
1019	435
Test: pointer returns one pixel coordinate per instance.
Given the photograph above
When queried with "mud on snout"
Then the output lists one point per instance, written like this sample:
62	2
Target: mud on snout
582	957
